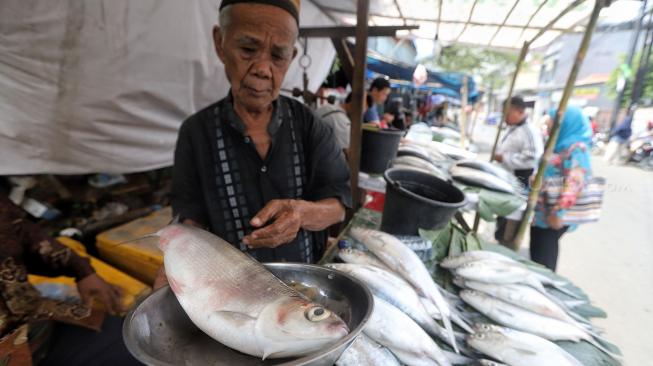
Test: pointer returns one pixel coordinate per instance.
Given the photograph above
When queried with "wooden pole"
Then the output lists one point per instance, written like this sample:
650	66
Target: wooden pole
555	129
463	112
506	106
358	100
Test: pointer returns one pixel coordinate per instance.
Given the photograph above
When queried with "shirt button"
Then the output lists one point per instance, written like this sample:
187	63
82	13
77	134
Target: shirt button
264	169
247	140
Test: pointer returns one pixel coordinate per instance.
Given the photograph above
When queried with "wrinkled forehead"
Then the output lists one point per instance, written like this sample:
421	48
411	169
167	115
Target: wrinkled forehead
261	21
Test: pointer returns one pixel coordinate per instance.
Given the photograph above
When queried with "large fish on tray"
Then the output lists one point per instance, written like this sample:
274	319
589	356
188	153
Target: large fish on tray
238	302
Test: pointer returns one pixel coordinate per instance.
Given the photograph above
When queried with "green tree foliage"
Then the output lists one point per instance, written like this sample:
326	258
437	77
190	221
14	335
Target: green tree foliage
490	65
630	74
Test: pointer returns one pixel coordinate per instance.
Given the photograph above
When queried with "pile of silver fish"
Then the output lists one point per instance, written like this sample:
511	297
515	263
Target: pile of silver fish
238	302
486	175
510	294
409	306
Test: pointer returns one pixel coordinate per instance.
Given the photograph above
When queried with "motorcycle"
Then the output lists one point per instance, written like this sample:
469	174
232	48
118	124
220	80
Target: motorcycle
641	153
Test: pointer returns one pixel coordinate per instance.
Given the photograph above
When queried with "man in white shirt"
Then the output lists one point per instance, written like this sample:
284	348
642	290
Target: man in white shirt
521	146
519	152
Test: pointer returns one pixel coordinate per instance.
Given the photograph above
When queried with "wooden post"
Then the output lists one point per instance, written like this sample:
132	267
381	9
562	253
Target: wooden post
555	129
358	100
463	112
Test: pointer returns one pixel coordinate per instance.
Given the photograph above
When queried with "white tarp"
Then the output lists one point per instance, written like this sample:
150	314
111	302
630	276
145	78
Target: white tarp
103	86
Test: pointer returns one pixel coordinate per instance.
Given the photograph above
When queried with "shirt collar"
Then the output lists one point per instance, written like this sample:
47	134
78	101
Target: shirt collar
237	123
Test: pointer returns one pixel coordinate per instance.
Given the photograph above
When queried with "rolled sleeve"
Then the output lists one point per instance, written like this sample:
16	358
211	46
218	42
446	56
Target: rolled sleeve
329	170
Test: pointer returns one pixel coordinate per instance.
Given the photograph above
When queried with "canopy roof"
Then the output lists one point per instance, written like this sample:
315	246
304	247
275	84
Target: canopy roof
490	23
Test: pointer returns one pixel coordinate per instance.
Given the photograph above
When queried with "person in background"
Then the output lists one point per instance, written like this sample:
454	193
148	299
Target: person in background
379	90
521	146
571	160
337	116
26	249
519	152
619	137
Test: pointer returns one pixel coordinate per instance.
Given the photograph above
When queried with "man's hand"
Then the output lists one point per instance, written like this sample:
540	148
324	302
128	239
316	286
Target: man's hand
93	286
286	217
498	158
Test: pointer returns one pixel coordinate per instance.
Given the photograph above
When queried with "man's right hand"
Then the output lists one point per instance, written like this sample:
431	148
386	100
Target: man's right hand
161	279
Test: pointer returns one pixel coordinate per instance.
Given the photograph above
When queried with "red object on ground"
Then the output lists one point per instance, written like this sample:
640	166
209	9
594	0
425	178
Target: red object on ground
378	201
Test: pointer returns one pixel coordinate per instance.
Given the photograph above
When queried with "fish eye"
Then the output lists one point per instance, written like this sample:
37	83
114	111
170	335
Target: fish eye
317	313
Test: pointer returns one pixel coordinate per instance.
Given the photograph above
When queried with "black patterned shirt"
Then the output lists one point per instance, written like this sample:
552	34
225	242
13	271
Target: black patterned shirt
220	181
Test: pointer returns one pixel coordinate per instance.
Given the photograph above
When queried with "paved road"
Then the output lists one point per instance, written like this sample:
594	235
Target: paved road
613	259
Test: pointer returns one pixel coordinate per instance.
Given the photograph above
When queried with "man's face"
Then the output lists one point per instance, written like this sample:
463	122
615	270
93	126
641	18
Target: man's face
380	96
256	47
515	115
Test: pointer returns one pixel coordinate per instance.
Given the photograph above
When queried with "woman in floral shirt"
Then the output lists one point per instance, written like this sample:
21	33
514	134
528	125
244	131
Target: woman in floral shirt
571	160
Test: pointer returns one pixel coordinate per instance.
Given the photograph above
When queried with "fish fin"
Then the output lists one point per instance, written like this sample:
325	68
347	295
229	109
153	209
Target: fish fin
614	356
460	321
524	351
452	336
238	319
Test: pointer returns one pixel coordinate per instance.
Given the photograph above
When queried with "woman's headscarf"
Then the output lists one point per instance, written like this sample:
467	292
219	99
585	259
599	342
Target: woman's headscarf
575	128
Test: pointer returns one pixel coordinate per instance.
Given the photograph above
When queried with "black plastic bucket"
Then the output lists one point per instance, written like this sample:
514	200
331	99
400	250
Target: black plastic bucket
378	148
417	200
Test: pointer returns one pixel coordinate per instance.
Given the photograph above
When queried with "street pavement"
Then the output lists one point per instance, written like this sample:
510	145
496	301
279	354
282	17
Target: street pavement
612	261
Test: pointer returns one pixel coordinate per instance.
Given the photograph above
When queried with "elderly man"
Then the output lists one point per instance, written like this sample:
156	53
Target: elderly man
256	168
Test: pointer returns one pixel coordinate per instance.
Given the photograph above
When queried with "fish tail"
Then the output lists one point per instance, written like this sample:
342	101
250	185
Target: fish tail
560	287
452	336
460	321
595	342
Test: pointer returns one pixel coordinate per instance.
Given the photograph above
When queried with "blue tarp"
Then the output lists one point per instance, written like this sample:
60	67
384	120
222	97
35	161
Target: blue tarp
444	83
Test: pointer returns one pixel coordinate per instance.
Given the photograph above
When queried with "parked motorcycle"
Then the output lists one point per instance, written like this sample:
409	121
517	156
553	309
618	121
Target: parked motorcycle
641	153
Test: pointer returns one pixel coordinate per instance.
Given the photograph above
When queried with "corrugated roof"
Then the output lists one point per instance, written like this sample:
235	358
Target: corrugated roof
497	23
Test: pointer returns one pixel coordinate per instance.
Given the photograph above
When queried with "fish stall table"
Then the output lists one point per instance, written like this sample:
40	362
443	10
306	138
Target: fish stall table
582	351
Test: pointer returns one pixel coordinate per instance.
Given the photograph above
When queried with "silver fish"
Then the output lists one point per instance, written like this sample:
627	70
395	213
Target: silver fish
473	256
478	178
395	291
392	328
238	302
521	319
365	352
415	162
523	296
403	261
519	348
501	261
357	256
494	169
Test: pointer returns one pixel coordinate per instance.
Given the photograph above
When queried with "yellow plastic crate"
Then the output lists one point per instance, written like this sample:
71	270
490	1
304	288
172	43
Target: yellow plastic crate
131	289
141	259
